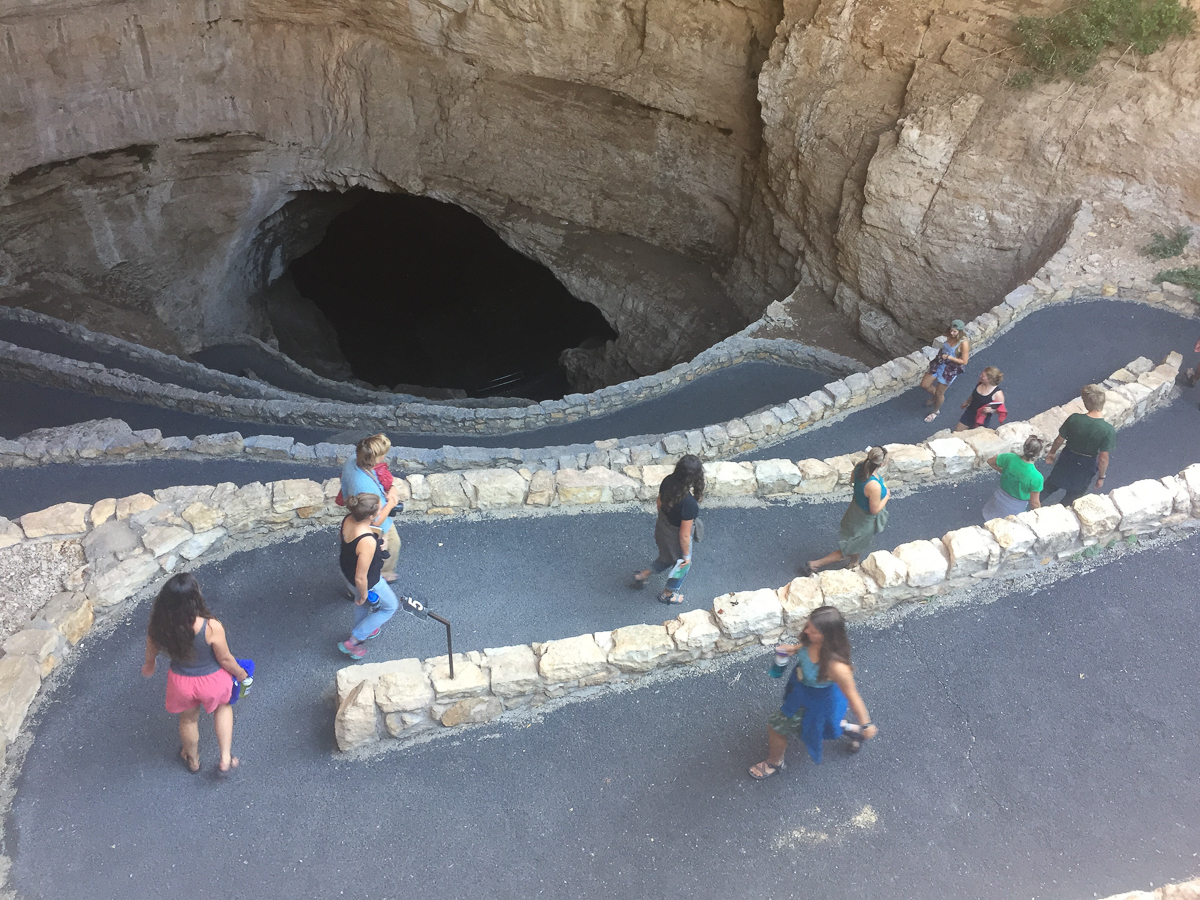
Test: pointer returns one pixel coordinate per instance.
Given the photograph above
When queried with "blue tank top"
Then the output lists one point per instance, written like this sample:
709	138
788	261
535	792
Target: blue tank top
202	661
860	496
808	672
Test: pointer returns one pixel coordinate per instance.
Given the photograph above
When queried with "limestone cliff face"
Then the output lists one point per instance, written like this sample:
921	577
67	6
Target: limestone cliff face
906	179
175	156
146	143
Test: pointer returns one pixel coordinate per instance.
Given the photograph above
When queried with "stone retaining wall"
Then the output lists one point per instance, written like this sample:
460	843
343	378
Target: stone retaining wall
214	379
760	429
408	698
618	476
252	401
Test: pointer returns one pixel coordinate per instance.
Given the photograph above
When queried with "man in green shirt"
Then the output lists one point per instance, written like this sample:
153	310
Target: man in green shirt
1089	441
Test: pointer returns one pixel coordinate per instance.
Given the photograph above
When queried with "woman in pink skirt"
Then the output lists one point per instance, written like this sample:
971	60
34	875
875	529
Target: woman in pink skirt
202	668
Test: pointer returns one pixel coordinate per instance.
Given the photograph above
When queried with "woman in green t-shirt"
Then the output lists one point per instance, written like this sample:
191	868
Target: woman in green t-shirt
1020	481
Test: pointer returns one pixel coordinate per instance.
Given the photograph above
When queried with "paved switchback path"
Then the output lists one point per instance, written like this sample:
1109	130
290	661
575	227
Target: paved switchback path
1037	746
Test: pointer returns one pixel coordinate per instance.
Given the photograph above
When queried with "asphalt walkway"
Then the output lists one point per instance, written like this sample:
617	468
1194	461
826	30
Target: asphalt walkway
1000	773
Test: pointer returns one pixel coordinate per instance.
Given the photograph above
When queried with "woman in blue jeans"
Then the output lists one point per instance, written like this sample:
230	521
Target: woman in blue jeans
361	559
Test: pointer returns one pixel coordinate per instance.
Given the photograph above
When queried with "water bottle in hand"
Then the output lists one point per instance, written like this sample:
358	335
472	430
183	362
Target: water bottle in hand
779	666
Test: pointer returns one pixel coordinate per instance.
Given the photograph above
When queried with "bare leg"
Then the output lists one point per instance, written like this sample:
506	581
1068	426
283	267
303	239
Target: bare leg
927	384
392	545
776	748
960	427
642	577
223	725
189	738
826	560
939	395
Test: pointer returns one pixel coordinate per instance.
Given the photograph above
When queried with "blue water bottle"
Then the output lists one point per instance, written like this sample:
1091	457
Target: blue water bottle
373	600
779	666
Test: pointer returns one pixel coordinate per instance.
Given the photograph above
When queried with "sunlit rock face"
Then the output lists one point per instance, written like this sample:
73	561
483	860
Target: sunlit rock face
149	147
677	163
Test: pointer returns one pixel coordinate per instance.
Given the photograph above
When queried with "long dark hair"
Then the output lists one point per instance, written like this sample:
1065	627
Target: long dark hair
835	646
175	610
688	476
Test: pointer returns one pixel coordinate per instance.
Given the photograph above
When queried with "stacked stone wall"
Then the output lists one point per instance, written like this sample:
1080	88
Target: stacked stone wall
405	699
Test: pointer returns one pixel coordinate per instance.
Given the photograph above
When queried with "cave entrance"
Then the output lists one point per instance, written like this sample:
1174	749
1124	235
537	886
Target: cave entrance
422	292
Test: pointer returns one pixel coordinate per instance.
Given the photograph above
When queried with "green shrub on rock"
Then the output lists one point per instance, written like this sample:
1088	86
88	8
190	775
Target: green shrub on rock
1070	42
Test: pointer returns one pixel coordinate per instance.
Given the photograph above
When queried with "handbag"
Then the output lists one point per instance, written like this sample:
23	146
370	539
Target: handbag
698	530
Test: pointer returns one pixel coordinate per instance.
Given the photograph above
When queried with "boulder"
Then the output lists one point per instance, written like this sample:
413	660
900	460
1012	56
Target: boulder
971	549
112	540
799	598
907	462
816	477
10	533
295	493
199	544
927	562
356	722
495	488
1191	479
1014	537
202	517
246	507
951	457
228	443
729	479
595	484
845	464
984	443
62	518
1098	516
695	631
448	491
70	614
541	488
514	671
1056	528
20	679
102	511
887	569
1142	505
43	646
472	711
469	679
776	476
570	659
748	613
123	580
162	539
844	589
652	476
404	688
271	446
639	648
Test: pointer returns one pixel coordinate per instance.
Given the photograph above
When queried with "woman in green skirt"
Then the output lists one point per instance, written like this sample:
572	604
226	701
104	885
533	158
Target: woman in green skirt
865	517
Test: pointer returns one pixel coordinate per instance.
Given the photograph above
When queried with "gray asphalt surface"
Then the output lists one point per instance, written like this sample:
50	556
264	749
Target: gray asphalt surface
1000	771
234	359
1038	746
1046	358
718	396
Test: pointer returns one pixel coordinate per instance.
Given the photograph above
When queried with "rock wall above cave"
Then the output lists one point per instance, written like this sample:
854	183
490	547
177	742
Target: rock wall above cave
677	163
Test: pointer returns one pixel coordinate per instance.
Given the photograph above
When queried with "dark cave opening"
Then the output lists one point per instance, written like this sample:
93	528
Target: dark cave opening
424	293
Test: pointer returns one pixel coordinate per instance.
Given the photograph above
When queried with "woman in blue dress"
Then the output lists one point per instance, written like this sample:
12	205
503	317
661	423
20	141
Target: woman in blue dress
819	690
946	366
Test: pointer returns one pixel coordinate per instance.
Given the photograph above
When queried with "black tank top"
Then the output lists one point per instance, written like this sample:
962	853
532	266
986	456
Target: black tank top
349	559
979	400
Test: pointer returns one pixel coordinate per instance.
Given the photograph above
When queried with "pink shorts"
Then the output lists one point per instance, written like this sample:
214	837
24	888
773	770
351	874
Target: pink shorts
186	692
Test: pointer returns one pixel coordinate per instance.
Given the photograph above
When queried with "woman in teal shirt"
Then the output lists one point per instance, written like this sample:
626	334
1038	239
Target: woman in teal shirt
1020	481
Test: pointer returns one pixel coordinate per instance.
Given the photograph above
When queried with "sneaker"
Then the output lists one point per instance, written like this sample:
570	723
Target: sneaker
357	651
373	634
